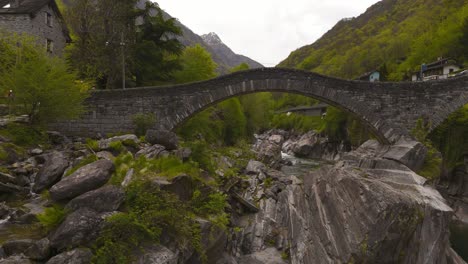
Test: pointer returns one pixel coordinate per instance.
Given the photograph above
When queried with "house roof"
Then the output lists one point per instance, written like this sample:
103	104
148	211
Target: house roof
441	63
31	7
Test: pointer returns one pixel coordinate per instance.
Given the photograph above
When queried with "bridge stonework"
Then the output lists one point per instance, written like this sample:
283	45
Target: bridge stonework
389	109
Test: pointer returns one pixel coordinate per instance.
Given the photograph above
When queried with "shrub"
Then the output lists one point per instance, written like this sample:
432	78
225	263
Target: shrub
24	135
52	216
43	86
92	144
143	122
432	162
117	146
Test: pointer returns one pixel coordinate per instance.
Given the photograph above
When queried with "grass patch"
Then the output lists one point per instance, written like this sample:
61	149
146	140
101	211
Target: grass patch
52	216
168	167
23	135
92	144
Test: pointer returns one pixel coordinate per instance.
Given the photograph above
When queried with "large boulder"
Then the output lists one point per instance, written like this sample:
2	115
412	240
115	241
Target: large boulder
79	228
85	179
268	256
105	199
183	186
165	138
51	172
33	249
21	259
157	254
364	209
76	256
408	152
255	167
152	152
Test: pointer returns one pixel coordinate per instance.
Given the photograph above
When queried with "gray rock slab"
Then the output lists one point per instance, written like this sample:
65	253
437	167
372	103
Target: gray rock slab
33	249
79	228
105	199
51	172
85	179
76	256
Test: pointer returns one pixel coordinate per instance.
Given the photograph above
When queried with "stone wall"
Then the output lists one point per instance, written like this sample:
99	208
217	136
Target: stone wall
37	27
389	109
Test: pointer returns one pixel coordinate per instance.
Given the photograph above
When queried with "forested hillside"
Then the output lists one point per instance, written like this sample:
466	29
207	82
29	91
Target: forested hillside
395	36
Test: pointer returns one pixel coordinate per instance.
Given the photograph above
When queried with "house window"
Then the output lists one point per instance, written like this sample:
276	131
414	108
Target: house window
450	70
48	19
49	45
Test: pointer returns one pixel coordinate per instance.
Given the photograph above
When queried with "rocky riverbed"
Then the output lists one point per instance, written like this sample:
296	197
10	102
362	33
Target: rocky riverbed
332	205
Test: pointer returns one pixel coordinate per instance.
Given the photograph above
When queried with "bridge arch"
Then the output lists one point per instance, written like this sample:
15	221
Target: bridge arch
389	109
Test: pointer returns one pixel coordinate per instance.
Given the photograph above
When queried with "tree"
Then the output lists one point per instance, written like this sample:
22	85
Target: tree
464	39
42	85
241	67
197	65
156	51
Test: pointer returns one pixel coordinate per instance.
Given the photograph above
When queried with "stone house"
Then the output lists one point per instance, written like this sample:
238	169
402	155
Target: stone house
39	18
372	76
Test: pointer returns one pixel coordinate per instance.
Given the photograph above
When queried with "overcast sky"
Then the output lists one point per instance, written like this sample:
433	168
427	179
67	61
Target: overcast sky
264	30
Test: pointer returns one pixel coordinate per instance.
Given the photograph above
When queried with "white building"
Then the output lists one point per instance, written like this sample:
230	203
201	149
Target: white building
438	70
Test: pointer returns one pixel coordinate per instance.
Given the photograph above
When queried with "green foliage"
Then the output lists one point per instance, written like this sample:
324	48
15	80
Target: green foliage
43	87
52	216
143	122
197	65
201	154
156	56
123	234
169	167
117	146
211	206
234	121
92	144
241	67
258	111
297	122
24	135
398	34
150	211
11	153
450	138
85	161
433	162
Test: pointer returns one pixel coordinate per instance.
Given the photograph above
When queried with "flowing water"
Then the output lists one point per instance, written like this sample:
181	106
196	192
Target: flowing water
299	166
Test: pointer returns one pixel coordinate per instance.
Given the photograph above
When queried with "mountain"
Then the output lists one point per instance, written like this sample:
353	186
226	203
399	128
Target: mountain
224	54
395	36
220	52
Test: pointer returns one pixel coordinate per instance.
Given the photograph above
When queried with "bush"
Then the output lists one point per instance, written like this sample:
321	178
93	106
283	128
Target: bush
432	162
92	144
150	211
143	122
24	135
43	86
169	167
52	216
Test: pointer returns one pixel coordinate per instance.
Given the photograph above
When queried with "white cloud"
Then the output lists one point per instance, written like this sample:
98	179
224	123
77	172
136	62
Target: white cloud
264	30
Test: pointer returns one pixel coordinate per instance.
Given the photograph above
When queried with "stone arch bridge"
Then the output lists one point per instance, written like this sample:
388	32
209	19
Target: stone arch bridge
389	109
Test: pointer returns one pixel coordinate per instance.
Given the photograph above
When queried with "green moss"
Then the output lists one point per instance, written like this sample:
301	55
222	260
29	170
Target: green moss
268	182
10	152
87	160
52	216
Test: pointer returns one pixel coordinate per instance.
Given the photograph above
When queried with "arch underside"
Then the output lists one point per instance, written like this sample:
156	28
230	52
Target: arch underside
384	132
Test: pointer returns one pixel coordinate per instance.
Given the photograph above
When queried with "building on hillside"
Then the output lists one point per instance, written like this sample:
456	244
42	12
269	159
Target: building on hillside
438	70
39	18
372	76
